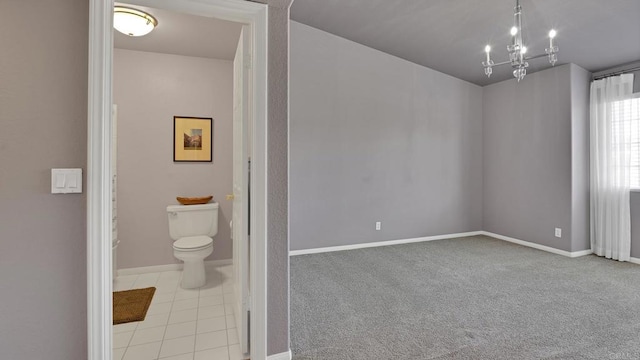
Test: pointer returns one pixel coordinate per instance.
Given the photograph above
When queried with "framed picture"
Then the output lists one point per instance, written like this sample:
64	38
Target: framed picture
192	139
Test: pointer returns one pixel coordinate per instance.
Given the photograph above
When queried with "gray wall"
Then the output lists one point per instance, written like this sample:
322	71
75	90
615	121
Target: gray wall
149	89
527	157
580	218
377	138
635	224
277	178
536	158
44	84
43	112
635	196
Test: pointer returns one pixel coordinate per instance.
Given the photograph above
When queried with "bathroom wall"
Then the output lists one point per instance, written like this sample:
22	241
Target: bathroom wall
377	138
149	89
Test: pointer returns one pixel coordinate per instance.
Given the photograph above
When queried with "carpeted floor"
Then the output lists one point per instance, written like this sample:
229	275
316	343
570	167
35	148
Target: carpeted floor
467	298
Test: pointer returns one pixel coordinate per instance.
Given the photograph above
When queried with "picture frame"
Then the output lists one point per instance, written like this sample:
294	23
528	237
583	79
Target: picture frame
192	139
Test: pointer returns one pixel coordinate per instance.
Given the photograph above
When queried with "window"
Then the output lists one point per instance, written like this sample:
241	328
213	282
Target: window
626	114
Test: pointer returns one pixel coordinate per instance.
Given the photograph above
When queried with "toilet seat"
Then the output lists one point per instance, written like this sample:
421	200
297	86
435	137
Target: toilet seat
192	243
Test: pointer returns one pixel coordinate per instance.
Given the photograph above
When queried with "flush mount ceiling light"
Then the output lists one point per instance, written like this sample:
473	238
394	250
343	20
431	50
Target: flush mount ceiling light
517	50
133	22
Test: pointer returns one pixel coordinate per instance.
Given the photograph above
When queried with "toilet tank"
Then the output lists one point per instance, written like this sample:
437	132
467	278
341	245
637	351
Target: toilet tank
192	220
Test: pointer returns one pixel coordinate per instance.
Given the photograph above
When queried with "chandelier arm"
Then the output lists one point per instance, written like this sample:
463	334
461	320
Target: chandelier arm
536	56
501	63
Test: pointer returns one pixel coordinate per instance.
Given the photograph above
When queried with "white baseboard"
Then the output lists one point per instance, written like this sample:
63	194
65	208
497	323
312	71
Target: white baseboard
581	253
538	246
382	243
282	356
573	254
634	260
168	267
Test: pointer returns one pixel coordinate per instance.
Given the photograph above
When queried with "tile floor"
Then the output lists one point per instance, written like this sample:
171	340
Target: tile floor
196	324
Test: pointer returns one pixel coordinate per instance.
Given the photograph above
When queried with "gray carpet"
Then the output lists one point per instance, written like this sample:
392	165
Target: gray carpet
468	298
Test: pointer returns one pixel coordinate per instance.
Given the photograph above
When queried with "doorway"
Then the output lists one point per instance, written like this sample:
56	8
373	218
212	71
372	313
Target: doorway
253	18
189	70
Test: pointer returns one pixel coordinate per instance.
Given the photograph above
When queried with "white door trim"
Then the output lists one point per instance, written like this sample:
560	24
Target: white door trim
99	278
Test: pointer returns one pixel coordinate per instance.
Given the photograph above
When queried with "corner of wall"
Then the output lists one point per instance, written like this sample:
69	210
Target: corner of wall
483	175
527	158
277	179
580	221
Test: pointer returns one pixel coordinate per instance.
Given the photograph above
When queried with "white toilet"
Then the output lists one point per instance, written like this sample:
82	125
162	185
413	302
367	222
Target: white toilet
192	227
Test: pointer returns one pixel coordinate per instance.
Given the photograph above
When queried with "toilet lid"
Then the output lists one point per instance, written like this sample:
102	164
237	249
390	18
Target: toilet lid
192	242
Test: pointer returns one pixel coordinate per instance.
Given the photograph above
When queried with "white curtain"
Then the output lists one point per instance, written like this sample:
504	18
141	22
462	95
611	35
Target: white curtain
610	168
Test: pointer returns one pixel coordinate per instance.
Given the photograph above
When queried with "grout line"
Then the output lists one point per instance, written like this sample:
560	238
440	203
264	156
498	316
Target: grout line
195	337
129	342
171	310
165	332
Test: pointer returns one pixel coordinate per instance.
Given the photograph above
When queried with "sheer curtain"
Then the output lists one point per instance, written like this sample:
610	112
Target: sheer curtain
610	153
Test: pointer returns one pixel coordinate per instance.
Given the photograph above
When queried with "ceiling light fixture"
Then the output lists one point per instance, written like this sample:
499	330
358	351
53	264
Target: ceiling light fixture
133	22
517	50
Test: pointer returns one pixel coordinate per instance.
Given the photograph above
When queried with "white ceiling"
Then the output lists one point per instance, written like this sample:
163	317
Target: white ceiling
183	34
450	35
445	35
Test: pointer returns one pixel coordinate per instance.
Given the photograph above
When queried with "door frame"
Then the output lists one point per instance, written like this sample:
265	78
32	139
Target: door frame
100	100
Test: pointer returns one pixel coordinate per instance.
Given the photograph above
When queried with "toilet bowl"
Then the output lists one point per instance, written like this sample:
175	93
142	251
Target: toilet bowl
193	227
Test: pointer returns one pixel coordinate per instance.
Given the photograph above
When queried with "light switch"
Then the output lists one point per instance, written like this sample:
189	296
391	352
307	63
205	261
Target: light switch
60	181
73	182
66	181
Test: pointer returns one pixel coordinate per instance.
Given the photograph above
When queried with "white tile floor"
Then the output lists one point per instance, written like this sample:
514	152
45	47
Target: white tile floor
196	324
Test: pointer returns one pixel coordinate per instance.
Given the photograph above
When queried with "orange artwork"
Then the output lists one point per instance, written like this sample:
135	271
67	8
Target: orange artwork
192	139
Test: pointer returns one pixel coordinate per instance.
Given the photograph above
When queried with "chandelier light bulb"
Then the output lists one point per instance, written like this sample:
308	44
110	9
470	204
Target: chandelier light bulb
514	31
552	35
523	50
487	49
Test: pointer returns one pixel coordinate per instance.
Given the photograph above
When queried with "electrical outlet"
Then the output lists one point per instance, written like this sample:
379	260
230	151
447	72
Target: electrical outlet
558	232
378	224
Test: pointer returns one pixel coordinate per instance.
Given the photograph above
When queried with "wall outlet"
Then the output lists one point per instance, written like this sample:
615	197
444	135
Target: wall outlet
378	224
558	232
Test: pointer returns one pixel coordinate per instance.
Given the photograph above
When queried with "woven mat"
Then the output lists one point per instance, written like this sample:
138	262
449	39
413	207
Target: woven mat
131	305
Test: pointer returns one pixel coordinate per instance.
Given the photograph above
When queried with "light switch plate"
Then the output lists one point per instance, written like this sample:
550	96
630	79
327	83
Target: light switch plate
66	181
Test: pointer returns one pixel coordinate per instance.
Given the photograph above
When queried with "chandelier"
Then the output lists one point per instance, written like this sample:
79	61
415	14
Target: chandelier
518	51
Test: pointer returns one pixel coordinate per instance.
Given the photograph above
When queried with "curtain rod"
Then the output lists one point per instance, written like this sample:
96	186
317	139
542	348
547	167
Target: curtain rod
614	73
